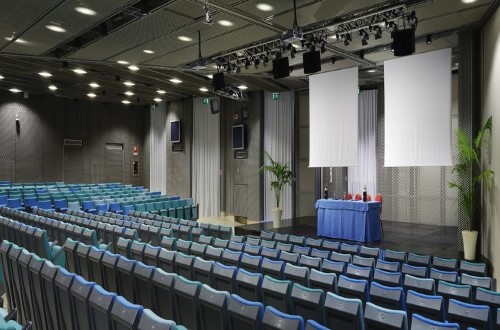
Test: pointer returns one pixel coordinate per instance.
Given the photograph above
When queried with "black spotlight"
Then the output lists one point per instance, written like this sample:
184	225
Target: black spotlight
333	59
256	61
429	39
362	54
364	42
247	63
323	47
378	33
337	36
346	42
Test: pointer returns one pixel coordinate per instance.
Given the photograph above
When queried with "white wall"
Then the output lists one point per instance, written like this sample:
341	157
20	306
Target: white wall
490	104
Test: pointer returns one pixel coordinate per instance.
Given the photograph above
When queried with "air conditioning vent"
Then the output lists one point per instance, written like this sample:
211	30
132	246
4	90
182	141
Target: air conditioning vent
71	142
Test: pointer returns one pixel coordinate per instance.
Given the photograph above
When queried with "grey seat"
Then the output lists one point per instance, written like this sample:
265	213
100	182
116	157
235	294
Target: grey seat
362	261
80	293
343	313
431	307
162	291
213	253
297	240
310	262
220	243
477	281
203	271
252	249
388	278
331	246
390	266
267	235
442	275
231	258
251	263
283	238
235	246
377	317
369	252
397	256
137	250
198	249
414	270
296	274
323	254
183	246
124	270
184	265
224	277
469	315
244	314
349	248
273	268
141	279
344	257
422	285
82	260
109	261
419	260
337	267
100	303
353	288
387	297
324	281
63	282
472	268
265	244
460	292
307	303
150	321
123	247
302	250
365	273
151	255
186	294
489	298
95	268
169	243
270	253
253	241
248	285
276	293
314	243
289	257
124	315
445	264
275	320
213	308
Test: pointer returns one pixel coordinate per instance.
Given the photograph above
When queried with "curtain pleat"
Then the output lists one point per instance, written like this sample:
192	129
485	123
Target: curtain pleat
158	149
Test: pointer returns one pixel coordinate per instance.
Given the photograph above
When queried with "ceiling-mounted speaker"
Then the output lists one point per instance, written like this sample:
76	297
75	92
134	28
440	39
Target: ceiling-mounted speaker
404	42
218	81
281	68
312	62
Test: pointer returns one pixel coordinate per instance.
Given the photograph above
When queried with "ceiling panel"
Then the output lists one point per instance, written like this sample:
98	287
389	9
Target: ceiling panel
438	8
41	39
18	15
137	33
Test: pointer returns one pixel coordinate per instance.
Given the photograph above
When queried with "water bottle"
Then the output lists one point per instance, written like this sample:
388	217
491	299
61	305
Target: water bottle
325	193
364	194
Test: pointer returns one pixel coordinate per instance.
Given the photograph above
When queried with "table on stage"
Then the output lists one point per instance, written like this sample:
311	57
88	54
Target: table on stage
350	220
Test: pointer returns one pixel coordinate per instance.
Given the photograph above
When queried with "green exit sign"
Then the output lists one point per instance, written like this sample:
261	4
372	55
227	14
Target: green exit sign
276	96
205	101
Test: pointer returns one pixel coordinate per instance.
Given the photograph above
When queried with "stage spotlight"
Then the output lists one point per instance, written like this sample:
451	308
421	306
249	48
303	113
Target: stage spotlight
337	36
292	54
429	39
323	47
247	63
333	59
256	61
362	54
364	42
378	33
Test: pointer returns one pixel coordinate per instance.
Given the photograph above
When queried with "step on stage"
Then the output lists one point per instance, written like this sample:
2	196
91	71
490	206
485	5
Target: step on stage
400	236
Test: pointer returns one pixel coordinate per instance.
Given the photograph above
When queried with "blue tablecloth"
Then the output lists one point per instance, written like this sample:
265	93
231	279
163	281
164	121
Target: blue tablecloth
350	220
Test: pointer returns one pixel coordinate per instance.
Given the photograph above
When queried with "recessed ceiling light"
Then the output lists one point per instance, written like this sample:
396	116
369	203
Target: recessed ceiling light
242	87
128	83
1	77
85	11
122	62
175	81
55	28
18	40
126	102
91	95
148	51
45	74
224	22
371	71
94	85
184	38
160	91
53	87
79	71
468	1
133	67
264	7
157	99
15	90
203	89
129	93
211	76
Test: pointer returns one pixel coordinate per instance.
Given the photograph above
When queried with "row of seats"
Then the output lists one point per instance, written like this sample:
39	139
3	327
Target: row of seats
273	292
54	298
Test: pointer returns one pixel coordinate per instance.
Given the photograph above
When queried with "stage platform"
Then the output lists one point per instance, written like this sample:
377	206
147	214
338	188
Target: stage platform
400	236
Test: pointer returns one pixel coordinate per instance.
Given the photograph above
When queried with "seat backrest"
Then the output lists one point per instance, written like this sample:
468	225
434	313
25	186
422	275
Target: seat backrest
284	247
276	293
109	261
386	296
224	277
490	298
460	292
124	270
63	282
253	241
251	263
213	308
141	279
184	265
419	260
369	252
430	306
252	249
283	238
296	274
384	318
150	321
419	322
477	281
443	275
231	258
290	257
162	291
423	285
324	281
414	270
337	267
100	303
469	315
80	293
311	262
213	253
235	246
472	268
270	253
343	313
302	250
399	256
297	240
274	319
273	268
244	314
151	254
365	273
248	285
323	254
125	315
308	303
186	294
203	271
349	248
362	261
390	266
344	257
353	288
444	264
266	243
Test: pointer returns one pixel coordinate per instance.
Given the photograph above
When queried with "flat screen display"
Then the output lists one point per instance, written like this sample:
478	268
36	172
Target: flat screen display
175	131
238	137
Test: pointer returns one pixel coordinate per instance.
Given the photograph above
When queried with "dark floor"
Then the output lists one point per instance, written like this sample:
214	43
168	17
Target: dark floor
401	236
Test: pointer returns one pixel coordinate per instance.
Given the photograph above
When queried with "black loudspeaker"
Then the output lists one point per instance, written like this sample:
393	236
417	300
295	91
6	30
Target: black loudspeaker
404	42
218	81
312	62
214	105
281	68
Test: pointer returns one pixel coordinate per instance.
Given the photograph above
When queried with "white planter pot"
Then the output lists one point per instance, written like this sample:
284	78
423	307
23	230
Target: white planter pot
470	239
277	217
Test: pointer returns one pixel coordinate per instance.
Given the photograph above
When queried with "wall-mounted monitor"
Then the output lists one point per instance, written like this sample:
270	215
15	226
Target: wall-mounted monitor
214	105
175	131
239	137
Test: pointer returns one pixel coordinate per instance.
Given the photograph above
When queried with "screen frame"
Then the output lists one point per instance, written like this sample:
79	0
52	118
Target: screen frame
178	122
242	127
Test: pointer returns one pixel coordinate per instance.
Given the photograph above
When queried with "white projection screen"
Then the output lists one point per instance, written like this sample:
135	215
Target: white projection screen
333	116
418	110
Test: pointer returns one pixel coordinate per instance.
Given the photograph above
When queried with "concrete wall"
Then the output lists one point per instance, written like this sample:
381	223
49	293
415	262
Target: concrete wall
490	106
36	153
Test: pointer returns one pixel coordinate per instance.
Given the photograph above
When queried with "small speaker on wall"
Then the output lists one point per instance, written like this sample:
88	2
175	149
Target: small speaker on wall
214	105
404	42
281	68
312	62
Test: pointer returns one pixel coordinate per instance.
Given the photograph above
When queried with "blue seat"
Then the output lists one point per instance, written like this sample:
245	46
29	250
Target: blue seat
100	303
101	208
469	315
419	322
80	294
308	303
213	308
390	266
124	315
313	325
88	206
443	275
60	205
377	317
115	208
162	291
274	319
29	202
224	277
432	307
45	205
490	298
423	285
353	288
244	314
3	200
343	313
14	203
387	297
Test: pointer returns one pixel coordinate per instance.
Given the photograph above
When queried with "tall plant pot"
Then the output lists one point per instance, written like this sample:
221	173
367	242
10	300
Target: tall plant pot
470	240
277	217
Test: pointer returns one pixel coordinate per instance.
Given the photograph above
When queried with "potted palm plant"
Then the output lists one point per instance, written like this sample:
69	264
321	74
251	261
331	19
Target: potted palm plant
281	175
471	173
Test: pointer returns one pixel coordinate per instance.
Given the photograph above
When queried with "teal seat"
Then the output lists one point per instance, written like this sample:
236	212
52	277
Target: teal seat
140	207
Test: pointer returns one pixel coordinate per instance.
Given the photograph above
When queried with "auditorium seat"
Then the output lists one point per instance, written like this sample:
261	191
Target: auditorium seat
273	268
184	265
123	247
323	254
203	271
125	315
472	268
275	320
349	248
62	284
225	232
297	240
281	238
331	246
478	282
213	308
377	317
313	325
442	275
314	243
224	277
455	291
430	306
422	285
344	257
248	285
82	260
198	249
235	246
398	256
289	257
270	253
244	314
302	250
310	262
213	253
169	243
162	290
418	271
284	247
266	244
369	252
387	297
419	322
296	274
363	261
365	273
109	261
124	270
166	260
324	281
221	243
151	255
308	303
489	298
252	249
343	313
253	241
151	321
390	266
276	293
251	263
353	288
186	294
337	267
80	293
100	304
141	279
239	239
449	265
469	315
95	265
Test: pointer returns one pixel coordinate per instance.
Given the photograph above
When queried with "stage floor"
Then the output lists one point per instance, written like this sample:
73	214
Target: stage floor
400	236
